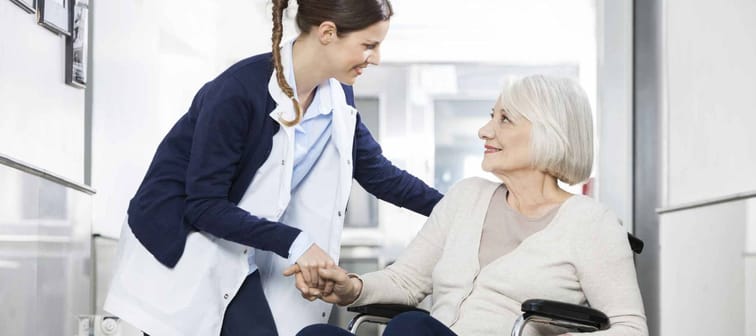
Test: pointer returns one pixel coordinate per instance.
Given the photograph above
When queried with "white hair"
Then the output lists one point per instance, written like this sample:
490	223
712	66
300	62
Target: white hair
562	124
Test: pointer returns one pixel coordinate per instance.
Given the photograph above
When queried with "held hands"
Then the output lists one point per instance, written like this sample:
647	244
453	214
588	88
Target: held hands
346	289
337	287
306	272
309	263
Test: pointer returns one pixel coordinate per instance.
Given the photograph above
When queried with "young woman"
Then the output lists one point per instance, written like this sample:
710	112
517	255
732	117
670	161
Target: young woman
255	178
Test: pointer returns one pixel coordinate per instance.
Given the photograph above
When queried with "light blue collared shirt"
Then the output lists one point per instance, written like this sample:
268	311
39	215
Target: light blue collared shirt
312	134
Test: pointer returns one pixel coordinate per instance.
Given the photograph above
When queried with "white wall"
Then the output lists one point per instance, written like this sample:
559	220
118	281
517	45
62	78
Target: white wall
750	268
125	128
502	31
707	253
708	270
702	271
710	48
41	118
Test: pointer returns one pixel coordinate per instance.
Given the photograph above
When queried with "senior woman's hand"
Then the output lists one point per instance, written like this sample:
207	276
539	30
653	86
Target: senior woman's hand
342	289
346	288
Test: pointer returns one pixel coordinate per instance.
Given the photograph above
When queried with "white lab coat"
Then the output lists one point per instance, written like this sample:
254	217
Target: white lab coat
191	298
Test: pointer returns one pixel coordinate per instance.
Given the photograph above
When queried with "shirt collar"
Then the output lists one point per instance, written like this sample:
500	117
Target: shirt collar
322	99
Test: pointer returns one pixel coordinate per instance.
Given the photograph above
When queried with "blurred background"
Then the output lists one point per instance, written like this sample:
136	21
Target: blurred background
672	84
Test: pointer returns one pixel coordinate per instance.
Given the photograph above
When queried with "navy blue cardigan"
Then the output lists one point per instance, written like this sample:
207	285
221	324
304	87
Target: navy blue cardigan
206	162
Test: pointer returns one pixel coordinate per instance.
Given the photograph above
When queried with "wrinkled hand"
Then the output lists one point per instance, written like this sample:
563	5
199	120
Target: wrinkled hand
345	289
306	272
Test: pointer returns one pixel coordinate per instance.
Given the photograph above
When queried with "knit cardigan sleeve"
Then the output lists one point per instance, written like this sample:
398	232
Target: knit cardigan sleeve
606	271
409	280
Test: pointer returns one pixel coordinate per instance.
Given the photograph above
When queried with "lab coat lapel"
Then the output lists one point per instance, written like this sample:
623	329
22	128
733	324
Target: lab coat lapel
344	122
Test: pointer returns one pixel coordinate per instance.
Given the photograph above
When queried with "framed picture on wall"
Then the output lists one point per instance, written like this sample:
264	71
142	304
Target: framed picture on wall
27	5
77	44
55	15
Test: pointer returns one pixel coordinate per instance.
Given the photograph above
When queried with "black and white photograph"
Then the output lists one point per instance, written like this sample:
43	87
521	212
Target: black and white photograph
27	5
77	46
55	15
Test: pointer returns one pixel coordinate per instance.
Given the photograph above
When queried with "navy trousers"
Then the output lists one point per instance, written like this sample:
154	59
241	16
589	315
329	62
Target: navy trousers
409	323
248	314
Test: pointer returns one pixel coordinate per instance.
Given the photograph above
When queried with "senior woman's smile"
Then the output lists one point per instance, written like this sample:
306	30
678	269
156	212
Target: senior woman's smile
491	149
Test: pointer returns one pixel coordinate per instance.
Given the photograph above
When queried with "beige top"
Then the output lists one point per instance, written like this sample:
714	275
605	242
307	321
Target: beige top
581	256
504	228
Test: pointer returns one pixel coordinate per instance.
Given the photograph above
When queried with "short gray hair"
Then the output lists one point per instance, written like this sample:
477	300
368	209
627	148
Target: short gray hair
562	133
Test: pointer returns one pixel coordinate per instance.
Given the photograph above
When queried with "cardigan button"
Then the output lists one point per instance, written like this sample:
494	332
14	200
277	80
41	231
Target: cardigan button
225	296
339	213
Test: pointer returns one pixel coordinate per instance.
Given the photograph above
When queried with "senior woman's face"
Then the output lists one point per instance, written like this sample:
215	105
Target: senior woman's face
507	142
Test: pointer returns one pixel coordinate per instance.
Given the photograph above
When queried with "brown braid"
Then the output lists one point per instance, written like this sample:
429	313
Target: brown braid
348	15
278	8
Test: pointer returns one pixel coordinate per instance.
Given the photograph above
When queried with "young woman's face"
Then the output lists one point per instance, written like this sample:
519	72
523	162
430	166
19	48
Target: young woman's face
507	142
351	53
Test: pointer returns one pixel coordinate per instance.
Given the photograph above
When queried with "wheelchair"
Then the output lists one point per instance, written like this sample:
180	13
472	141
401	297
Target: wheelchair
565	315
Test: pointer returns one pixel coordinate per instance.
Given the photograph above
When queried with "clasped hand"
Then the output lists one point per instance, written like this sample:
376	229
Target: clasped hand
317	276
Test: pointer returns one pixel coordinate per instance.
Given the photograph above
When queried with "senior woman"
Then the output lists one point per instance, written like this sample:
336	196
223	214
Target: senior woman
489	246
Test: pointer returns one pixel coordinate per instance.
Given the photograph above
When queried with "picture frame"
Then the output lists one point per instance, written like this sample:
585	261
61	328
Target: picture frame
55	15
27	5
77	44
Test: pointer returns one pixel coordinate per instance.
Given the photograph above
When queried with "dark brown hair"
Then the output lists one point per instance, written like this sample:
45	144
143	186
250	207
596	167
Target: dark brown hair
347	15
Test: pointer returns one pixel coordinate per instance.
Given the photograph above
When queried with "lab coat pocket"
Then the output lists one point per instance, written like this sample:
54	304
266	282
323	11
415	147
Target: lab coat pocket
170	289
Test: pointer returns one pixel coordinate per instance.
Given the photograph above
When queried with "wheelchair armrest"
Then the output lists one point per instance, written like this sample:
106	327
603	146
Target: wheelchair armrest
570	313
384	310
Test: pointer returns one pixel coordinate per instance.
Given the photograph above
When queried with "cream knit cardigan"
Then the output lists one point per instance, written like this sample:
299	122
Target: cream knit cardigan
582	256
